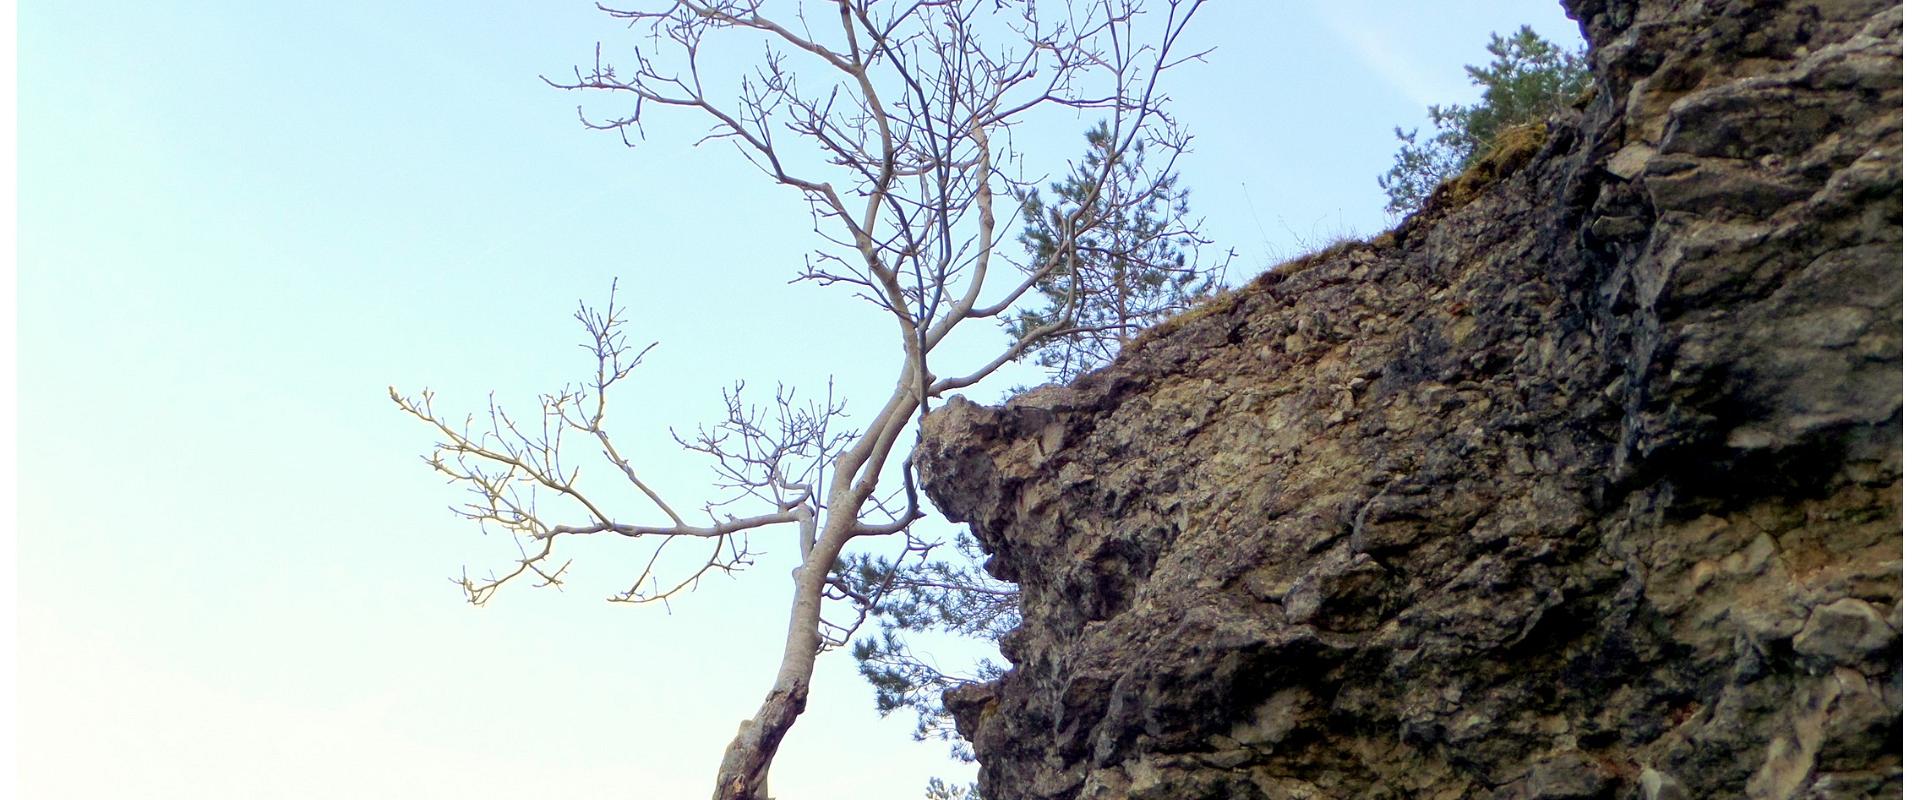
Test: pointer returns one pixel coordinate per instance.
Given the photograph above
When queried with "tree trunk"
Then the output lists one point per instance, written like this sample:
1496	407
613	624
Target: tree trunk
743	769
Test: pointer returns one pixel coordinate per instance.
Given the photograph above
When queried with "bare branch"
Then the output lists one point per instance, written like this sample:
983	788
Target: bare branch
898	125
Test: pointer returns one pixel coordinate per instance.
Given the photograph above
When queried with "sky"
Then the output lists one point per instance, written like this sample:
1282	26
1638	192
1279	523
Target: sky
241	222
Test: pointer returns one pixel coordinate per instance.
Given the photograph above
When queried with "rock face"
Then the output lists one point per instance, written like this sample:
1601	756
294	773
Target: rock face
1583	483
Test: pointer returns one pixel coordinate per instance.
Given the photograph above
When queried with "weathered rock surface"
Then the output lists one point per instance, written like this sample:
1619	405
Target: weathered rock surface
1583	486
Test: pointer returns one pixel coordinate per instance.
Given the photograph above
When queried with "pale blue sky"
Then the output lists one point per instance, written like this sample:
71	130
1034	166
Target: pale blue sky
240	222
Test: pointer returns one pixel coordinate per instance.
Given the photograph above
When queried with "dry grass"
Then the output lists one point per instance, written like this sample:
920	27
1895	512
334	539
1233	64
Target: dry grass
1512	149
1230	299
1219	301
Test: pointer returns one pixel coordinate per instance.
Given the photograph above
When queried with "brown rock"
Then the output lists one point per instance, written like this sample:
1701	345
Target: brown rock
1584	483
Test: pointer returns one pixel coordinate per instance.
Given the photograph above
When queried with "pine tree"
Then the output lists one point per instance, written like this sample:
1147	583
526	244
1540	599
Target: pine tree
941	790
1133	260
927	594
1529	79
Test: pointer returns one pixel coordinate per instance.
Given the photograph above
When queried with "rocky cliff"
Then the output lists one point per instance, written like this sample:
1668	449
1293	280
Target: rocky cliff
1583	483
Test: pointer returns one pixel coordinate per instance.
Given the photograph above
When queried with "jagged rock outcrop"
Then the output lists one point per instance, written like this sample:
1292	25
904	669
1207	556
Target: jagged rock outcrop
1583	483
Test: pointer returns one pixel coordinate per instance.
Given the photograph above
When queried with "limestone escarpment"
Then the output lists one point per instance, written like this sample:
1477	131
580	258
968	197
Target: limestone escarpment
1585	485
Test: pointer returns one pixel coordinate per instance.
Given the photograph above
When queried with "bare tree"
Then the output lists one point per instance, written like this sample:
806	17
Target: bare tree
896	121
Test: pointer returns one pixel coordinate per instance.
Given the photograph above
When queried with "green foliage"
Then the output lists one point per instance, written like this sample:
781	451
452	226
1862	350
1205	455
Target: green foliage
917	594
1123	265
941	790
1529	79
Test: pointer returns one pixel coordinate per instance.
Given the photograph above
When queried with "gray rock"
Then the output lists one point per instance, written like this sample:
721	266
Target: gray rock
1657	785
1570	776
1845	632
